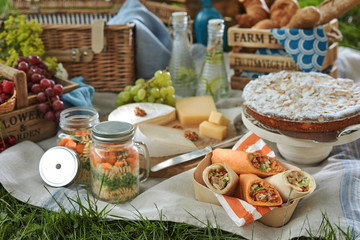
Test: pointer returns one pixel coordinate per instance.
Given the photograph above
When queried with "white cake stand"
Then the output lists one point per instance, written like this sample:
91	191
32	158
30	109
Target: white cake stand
296	150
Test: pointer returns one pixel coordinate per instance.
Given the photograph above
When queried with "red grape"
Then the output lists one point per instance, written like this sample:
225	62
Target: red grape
36	88
34	60
43	108
45	83
55	97
52	82
2	148
58	89
21	59
36	77
50	116
57	116
49	92
58	105
10	140
23	66
41	97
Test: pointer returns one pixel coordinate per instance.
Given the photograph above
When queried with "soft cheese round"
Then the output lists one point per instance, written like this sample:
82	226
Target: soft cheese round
302	97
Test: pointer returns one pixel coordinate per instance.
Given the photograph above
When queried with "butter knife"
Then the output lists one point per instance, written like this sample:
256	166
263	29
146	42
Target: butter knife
192	155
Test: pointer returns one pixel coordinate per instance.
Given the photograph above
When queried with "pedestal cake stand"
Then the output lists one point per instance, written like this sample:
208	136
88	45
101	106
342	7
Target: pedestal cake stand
302	151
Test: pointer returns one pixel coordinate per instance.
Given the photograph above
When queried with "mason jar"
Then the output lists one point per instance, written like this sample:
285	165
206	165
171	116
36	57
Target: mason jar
75	133
115	162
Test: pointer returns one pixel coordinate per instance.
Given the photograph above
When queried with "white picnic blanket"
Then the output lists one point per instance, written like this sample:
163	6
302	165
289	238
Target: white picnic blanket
337	194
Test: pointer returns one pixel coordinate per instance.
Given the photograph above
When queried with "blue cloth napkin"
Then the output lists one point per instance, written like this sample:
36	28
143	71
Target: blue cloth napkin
306	46
153	40
79	97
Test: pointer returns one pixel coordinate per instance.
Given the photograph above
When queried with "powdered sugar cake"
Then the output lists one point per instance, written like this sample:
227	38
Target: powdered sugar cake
303	102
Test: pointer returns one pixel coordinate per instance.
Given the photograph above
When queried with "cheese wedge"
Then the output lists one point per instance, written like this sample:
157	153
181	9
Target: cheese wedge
218	118
163	141
156	113
212	130
194	110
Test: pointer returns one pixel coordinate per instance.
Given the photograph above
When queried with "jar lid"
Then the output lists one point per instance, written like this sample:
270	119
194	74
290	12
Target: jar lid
59	166
113	131
216	24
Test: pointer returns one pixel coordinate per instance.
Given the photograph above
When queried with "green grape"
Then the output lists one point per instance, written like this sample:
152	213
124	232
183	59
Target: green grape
140	81
159	100
158	89
171	100
136	98
170	90
126	96
155	92
158	74
141	94
151	99
163	92
134	90
119	102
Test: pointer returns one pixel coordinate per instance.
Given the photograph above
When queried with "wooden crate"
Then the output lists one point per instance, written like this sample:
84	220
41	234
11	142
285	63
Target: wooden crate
244	42
103	55
25	122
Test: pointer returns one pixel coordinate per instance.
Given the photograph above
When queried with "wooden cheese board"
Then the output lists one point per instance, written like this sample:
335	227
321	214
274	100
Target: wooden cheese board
202	142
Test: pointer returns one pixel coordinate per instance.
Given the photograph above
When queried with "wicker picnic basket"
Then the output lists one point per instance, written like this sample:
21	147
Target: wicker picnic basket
103	55
22	119
9	105
67	5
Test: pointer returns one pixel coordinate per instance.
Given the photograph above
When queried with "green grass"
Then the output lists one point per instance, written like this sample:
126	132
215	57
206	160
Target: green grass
23	221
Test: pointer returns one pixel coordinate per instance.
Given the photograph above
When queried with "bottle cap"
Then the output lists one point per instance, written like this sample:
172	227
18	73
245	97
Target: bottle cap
113	131
216	24
179	17
59	166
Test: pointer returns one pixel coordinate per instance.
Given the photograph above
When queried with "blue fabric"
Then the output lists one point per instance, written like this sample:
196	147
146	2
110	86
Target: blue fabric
306	46
153	40
79	97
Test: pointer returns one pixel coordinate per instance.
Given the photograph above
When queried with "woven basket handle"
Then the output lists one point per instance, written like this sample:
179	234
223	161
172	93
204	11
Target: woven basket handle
19	78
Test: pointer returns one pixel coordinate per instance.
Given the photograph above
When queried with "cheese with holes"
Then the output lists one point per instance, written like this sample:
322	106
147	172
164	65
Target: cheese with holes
163	141
212	130
156	113
194	110
218	118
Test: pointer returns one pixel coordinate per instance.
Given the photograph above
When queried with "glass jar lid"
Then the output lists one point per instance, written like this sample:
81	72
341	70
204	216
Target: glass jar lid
113	131
59	166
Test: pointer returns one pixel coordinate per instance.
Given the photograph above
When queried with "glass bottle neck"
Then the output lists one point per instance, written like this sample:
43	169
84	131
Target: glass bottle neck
207	3
215	40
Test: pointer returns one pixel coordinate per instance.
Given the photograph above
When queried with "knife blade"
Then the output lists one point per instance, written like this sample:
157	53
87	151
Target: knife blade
191	155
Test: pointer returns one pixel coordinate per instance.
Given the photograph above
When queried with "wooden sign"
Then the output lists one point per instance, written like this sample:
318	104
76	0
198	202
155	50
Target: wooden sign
273	63
247	37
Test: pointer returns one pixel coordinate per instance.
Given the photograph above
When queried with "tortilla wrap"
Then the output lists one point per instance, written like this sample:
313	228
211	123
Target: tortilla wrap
305	184
257	191
243	162
215	182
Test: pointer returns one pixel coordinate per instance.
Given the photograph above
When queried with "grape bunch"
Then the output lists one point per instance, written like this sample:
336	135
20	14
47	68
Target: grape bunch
40	82
158	89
